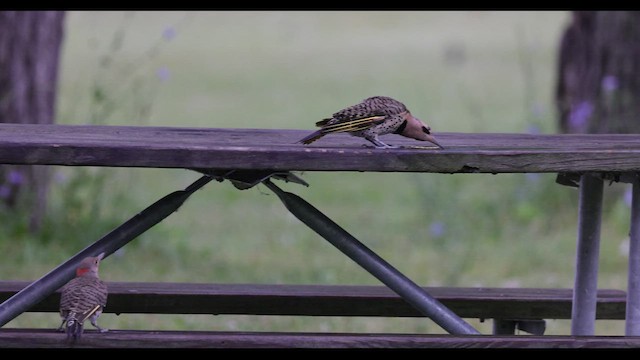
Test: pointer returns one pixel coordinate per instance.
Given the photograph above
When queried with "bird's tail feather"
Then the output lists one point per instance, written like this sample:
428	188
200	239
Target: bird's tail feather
73	328
75	323
323	122
311	137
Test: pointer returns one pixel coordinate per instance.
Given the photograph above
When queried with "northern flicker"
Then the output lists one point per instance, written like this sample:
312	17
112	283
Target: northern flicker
82	298
374	116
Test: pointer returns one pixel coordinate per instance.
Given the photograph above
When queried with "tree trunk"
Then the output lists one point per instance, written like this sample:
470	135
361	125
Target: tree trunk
598	88
30	43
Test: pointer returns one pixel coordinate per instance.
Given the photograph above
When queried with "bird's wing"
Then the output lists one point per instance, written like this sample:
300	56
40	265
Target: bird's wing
350	125
102	300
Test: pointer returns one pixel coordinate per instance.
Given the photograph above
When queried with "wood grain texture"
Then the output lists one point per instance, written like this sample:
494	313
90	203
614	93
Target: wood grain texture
46	338
277	149
332	300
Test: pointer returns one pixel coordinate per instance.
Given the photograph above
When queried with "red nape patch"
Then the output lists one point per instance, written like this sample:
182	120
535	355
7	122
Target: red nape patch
81	271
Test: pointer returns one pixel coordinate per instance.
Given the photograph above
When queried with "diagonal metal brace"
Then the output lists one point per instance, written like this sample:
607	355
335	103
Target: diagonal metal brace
117	238
370	261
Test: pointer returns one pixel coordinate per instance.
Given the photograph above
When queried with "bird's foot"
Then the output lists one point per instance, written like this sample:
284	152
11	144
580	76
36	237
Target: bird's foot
61	327
384	146
425	147
95	325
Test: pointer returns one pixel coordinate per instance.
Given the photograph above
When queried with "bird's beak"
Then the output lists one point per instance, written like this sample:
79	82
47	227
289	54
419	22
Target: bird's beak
432	140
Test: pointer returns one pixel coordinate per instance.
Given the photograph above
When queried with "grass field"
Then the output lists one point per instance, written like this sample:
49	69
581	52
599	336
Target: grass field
465	71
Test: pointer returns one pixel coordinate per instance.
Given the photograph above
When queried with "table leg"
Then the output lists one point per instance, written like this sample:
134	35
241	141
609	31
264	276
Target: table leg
370	261
583	312
632	324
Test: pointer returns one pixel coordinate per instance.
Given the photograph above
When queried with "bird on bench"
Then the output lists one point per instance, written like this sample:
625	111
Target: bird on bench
373	117
82	298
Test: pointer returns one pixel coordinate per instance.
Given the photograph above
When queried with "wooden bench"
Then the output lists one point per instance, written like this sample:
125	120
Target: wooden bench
510	308
49	338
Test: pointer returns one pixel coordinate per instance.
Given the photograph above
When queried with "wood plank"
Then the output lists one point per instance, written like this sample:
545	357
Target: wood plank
48	338
332	300
277	149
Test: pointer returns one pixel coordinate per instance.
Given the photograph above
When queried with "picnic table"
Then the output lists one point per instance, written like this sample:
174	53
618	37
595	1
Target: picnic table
247	157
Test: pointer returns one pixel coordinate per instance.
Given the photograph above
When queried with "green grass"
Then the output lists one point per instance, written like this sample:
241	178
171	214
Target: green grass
458	71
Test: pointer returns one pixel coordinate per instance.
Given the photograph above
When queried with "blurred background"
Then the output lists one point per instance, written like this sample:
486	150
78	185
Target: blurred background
460	71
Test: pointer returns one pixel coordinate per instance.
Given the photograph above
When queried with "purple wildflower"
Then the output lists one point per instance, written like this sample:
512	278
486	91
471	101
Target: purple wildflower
628	196
15	177
437	229
169	33
59	177
163	73
610	83
580	115
532	177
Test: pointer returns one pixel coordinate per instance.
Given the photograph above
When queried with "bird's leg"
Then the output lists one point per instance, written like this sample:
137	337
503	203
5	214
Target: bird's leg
61	328
94	322
379	144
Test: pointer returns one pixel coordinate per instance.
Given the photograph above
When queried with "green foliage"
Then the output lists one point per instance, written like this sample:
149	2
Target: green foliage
87	202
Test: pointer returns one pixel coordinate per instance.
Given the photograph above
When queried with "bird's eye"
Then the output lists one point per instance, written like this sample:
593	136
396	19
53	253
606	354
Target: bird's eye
426	130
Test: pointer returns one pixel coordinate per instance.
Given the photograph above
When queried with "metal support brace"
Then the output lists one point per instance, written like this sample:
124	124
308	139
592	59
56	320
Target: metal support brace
370	261
117	238
632	324
583	312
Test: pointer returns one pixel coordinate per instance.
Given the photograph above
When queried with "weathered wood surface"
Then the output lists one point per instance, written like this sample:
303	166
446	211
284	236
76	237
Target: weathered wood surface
332	300
277	149
48	338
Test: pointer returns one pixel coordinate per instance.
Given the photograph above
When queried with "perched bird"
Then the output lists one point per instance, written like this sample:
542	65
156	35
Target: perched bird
374	116
82	298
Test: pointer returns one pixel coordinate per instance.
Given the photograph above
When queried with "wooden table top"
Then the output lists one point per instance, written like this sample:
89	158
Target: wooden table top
277	149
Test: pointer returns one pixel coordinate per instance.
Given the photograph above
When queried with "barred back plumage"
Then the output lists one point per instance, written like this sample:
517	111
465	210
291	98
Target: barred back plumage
373	106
